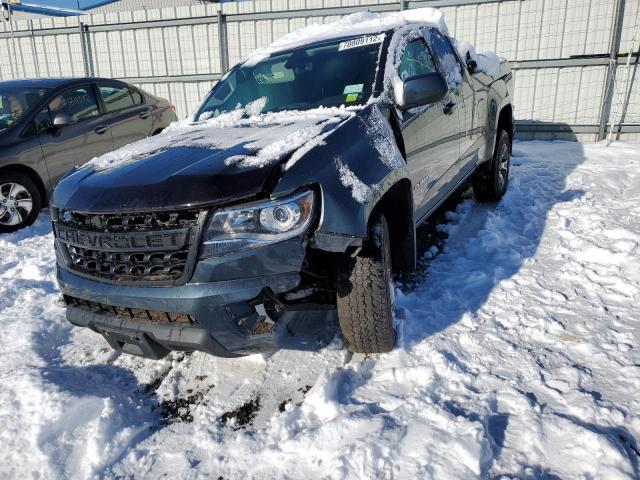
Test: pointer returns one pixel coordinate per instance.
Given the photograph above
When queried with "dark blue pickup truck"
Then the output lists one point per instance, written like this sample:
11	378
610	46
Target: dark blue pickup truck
297	185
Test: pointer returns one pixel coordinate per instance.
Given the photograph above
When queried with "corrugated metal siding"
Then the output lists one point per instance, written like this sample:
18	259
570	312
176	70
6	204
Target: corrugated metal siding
520	30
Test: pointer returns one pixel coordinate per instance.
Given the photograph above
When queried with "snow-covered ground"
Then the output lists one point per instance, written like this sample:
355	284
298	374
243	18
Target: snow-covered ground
519	356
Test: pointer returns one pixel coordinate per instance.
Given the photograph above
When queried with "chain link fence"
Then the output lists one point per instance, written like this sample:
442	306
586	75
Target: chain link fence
569	56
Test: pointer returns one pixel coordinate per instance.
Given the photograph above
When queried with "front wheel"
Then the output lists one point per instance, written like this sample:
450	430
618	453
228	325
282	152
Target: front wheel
365	294
491	180
20	202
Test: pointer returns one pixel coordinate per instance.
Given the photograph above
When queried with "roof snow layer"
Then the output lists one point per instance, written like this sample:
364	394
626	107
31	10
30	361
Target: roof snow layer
360	23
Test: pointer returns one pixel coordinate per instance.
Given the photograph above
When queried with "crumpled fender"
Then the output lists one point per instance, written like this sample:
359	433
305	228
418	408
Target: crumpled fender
353	165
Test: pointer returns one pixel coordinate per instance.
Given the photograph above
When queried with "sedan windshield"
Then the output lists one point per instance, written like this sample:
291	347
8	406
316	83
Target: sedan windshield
329	75
15	102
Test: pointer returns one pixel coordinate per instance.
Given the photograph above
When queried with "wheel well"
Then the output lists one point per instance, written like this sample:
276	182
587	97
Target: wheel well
505	122
31	173
157	132
397	207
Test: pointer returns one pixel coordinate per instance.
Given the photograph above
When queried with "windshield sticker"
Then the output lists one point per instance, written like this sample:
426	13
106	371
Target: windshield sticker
360	42
353	88
352	97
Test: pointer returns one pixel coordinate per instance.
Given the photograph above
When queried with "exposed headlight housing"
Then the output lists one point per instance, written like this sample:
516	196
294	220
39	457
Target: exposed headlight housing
258	223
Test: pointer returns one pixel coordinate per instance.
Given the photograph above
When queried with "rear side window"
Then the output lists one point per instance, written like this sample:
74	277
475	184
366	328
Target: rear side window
79	103
450	65
416	60
118	97
137	97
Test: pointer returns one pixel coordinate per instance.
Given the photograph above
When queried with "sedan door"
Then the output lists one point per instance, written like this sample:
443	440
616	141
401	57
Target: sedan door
85	136
430	132
127	113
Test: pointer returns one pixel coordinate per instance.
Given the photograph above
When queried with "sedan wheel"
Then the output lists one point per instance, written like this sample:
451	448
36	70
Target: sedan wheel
19	202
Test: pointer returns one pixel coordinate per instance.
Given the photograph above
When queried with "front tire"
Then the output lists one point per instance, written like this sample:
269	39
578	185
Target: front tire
365	294
20	201
491	180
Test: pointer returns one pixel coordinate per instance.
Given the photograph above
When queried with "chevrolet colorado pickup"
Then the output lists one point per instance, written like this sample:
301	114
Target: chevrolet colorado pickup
297	185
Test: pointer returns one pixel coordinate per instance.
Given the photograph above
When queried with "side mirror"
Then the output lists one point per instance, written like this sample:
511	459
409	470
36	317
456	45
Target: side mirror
472	66
63	120
422	90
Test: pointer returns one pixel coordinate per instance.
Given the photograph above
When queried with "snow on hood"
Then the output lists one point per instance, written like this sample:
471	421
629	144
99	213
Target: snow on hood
354	24
289	131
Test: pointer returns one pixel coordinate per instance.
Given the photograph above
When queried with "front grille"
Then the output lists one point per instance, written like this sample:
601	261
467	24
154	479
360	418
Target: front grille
150	266
138	314
133	247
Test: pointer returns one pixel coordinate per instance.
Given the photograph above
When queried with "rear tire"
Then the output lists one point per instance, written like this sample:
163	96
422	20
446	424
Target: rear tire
20	201
491	180
365	294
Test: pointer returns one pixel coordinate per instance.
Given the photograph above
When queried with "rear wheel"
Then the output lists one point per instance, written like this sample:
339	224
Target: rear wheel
20	201
365	294
491	180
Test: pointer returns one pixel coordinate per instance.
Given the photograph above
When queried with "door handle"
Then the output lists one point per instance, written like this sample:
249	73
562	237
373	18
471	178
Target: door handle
144	115
101	130
449	108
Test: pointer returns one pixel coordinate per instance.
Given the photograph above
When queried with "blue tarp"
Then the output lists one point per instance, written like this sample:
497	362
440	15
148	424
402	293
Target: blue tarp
61	8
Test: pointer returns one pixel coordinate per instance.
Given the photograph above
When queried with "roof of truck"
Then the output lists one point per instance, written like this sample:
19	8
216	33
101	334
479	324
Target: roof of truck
362	23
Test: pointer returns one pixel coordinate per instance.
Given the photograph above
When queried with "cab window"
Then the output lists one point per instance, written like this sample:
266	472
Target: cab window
416	60
448	59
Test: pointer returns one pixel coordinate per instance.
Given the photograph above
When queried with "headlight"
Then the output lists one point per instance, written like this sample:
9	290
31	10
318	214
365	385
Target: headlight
258	223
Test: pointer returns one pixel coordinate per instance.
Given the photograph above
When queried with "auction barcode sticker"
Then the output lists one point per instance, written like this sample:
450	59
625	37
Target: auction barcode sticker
360	42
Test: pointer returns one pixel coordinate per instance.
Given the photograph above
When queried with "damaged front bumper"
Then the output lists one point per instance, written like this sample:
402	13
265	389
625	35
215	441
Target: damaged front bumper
214	312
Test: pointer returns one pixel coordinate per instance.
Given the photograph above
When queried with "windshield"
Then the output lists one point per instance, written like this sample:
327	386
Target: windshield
329	75
15	102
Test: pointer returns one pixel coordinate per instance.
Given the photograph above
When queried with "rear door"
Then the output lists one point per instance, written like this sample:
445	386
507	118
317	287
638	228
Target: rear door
75	144
127	113
430	132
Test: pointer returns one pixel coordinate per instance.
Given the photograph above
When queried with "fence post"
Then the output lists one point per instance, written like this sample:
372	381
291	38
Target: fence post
87	41
614	48
403	4
85	44
36	62
222	42
83	47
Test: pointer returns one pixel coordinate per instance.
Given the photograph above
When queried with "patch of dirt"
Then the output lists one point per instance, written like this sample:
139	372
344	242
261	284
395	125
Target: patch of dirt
283	406
243	415
179	410
305	389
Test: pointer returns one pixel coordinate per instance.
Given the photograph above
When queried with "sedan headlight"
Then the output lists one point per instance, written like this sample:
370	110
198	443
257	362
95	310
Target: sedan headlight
258	223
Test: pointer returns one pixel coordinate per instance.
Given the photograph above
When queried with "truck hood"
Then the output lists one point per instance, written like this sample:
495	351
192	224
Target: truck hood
192	165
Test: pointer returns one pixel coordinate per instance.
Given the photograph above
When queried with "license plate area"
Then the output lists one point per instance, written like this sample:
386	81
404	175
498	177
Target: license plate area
139	344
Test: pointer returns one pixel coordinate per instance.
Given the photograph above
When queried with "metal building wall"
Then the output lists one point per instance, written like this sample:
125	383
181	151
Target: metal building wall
559	48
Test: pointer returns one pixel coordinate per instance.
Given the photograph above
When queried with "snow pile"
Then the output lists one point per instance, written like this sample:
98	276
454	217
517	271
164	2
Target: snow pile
487	62
245	125
355	24
518	357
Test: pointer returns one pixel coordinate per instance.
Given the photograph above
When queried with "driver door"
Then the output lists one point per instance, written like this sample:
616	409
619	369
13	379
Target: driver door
430	132
87	137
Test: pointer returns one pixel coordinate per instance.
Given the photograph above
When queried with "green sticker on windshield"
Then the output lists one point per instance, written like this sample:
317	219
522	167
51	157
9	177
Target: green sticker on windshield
353	88
352	97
